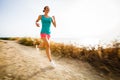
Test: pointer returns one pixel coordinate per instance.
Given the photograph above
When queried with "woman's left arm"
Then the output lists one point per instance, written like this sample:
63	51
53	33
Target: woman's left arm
54	21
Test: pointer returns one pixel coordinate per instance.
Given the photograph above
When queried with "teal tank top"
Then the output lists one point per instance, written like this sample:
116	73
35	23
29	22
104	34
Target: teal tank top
46	23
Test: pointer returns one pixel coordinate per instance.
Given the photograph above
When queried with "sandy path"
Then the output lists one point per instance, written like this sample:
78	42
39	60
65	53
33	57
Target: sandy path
18	62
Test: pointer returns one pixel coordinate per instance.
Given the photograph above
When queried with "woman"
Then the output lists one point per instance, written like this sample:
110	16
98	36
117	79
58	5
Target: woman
46	21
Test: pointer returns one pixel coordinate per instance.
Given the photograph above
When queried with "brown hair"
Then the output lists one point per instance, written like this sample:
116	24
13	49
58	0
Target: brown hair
45	8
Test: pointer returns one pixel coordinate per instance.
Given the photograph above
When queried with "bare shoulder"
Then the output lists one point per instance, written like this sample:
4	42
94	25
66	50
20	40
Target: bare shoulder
39	16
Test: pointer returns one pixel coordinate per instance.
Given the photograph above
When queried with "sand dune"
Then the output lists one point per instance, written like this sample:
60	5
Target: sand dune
18	62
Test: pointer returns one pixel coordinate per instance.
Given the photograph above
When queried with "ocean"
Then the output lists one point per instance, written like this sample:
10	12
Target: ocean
87	42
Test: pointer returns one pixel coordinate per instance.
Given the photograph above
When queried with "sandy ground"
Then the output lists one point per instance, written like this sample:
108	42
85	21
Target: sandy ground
18	62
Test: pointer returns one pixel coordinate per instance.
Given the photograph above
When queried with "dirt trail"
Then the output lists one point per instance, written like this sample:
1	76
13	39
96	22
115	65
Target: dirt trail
18	62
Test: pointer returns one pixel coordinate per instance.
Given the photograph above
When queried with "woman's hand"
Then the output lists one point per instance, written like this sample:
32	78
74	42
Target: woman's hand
54	21
53	18
37	24
39	18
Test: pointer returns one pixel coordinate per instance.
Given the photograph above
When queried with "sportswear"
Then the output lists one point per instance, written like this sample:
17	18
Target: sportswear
46	23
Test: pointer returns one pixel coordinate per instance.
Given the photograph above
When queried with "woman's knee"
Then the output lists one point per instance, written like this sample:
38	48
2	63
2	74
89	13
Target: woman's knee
46	42
47	45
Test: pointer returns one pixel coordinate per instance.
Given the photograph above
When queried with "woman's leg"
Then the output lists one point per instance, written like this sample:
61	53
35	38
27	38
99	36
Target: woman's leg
47	45
42	45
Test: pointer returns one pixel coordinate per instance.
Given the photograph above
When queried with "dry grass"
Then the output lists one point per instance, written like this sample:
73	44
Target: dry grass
106	59
26	41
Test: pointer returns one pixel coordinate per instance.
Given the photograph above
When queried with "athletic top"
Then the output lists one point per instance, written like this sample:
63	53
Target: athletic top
46	23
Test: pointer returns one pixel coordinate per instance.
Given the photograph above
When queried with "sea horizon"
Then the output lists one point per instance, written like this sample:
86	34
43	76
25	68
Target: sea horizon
88	42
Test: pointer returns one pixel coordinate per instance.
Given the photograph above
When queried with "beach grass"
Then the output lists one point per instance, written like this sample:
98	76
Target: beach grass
106	60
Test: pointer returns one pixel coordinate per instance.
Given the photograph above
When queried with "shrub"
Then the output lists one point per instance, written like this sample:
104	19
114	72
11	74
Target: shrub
5	38
103	59
26	41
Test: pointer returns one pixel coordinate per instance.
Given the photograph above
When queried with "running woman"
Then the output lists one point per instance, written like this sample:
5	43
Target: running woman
46	21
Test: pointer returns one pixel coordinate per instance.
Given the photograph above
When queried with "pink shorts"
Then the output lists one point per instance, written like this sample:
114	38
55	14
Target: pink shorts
43	35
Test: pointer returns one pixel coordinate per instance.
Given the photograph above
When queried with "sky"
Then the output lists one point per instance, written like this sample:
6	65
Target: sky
88	20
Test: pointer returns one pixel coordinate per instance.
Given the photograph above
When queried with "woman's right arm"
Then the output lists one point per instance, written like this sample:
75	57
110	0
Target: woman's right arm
39	18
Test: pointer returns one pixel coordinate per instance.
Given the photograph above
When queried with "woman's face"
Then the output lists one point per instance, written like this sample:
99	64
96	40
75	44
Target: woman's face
47	10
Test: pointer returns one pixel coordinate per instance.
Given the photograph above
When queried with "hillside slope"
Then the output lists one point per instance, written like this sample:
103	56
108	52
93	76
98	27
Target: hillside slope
18	62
